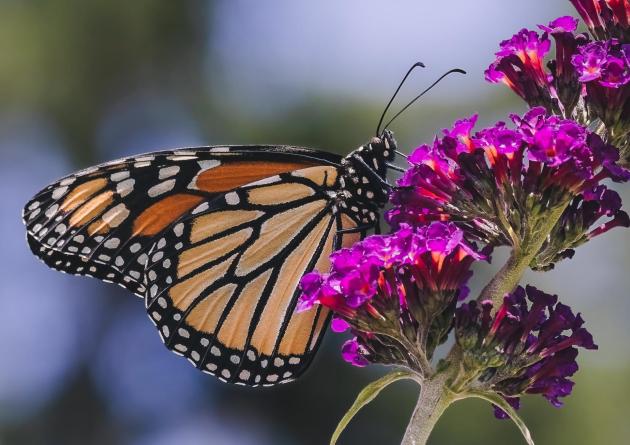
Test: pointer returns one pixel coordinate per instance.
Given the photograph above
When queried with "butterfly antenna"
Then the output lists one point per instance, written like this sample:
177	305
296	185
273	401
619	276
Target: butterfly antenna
402	82
395	167
400	153
455	70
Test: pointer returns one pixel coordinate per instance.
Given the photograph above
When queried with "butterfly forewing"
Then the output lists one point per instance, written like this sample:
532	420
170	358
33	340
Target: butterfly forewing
223	282
102	221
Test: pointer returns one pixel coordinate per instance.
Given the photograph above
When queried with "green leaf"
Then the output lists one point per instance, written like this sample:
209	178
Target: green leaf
368	394
505	406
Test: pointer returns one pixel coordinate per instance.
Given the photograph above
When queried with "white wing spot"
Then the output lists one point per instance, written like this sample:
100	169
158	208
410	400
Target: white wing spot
125	187
215	351
272	378
134	247
119	176
167	172
68	181
112	243
244	375
235	359
161	188
181	158
200	208
59	192
178	229
34	214
51	211
232	198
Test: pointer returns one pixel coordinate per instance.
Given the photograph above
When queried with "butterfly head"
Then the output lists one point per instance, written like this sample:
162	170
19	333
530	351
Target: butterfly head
377	153
365	176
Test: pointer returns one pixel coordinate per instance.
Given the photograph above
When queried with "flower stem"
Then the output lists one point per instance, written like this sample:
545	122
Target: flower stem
434	398
510	275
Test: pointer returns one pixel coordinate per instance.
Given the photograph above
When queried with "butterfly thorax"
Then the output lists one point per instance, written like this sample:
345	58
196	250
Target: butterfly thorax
364	177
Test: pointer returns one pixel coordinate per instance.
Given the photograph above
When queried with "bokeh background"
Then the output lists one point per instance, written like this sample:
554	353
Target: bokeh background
83	82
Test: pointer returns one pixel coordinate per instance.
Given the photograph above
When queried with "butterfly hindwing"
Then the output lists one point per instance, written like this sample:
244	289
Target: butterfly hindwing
222	284
102	221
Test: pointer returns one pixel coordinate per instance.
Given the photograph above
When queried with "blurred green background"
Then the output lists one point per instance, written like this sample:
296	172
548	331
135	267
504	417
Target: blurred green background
83	82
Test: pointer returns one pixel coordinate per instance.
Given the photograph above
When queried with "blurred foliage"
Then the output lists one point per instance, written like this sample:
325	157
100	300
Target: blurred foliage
71	61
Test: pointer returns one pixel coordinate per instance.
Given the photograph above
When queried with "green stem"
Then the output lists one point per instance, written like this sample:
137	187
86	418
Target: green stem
510	275
434	398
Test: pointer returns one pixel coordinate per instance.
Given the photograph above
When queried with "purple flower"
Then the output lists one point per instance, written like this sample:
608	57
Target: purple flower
528	346
560	25
543	162
556	88
604	62
354	353
519	65
407	281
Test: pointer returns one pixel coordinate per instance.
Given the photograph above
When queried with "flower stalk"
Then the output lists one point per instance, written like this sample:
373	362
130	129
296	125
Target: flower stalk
435	398
509	276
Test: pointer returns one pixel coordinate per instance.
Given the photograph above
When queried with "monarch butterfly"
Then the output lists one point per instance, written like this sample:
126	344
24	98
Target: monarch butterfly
215	240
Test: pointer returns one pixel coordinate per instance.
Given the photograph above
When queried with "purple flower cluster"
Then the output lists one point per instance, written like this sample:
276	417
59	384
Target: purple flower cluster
520	65
489	182
528	346
404	286
588	81
574	227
